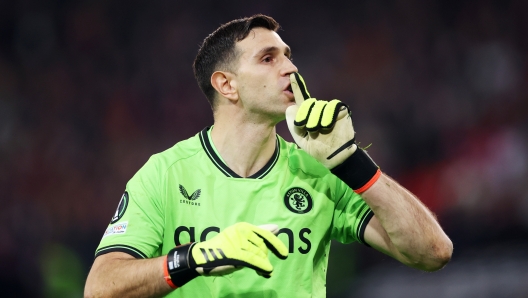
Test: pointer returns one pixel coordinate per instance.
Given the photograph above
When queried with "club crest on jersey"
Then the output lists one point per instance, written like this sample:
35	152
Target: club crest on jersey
190	200
298	200
121	208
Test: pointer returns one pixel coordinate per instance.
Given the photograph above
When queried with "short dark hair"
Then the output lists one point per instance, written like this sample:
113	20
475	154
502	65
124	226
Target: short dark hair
218	51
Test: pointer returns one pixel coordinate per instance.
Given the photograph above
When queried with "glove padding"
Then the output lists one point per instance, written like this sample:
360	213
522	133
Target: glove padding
240	245
321	128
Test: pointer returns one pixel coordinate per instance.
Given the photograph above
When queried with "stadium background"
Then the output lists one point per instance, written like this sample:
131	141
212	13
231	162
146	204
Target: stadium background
90	89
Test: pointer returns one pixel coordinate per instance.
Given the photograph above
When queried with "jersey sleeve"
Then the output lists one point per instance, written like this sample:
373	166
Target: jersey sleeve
351	216
137	226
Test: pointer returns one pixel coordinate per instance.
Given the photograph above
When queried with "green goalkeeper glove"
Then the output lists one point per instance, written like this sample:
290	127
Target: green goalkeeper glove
238	246
322	128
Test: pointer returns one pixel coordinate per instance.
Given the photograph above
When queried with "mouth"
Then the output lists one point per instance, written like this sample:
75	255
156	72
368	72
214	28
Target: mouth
288	90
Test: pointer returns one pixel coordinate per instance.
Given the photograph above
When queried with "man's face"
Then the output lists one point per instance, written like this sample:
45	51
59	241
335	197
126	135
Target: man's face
263	72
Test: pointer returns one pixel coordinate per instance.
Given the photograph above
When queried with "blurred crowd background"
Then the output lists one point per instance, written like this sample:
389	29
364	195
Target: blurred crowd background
438	89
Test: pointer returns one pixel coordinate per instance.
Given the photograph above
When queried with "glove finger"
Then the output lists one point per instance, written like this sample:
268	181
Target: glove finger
263	267
273	228
314	119
298	132
242	259
227	259
300	92
255	244
331	112
273	243
304	111
218	270
253	261
242	238
264	274
291	113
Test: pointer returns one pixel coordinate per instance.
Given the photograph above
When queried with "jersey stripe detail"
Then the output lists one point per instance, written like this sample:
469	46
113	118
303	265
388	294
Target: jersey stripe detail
136	253
208	148
363	225
217	161
271	163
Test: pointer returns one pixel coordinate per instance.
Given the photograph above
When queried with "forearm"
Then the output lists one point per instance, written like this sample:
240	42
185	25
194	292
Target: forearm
402	226
120	275
413	232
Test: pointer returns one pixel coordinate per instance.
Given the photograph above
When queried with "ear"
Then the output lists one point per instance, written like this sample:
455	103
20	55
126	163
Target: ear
225	84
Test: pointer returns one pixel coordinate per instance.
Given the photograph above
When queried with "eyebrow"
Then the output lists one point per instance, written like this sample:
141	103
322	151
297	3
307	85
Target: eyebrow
266	50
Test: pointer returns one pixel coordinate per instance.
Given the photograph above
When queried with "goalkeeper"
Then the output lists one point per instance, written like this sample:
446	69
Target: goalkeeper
236	211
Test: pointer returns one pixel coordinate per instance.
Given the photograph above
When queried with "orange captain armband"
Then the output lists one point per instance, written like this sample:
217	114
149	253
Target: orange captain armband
179	266
358	171
166	274
369	183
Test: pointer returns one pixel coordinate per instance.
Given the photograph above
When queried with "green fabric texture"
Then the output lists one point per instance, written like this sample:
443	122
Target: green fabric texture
187	194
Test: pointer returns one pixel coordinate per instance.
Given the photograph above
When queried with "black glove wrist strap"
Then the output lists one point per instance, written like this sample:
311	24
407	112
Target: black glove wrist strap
358	171
180	265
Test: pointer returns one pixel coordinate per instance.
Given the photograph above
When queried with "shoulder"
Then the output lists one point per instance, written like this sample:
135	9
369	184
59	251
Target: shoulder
180	151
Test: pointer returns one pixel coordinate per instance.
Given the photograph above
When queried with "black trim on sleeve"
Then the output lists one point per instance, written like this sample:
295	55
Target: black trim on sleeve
363	225
136	253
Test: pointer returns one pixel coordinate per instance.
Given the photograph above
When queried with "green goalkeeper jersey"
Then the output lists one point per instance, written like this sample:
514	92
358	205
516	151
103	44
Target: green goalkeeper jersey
187	193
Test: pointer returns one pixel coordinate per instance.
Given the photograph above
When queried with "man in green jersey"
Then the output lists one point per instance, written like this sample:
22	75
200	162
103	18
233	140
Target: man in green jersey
199	219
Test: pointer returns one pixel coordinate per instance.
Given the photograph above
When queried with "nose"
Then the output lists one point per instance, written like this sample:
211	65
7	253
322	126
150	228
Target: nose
289	67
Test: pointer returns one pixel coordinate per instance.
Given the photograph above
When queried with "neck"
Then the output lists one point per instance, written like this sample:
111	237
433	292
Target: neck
245	147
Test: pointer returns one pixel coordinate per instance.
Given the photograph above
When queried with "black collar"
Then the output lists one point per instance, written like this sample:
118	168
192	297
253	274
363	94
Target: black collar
217	161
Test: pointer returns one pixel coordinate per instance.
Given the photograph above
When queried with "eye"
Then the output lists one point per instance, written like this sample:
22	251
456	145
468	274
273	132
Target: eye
267	59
